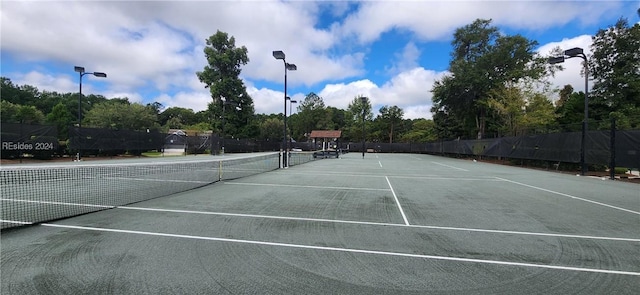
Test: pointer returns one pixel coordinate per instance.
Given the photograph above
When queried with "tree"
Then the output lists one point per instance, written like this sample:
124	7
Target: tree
569	110
61	118
391	118
615	69
222	77
539	114
312	114
177	116
271	129
120	114
354	118
482	60
508	103
422	130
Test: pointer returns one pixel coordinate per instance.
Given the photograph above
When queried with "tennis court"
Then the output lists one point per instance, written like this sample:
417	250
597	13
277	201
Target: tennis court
382	224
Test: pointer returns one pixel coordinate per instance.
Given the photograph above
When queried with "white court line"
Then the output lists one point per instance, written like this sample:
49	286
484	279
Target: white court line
382	224
349	250
380	163
445	178
350	222
404	217
570	196
308	186
445	165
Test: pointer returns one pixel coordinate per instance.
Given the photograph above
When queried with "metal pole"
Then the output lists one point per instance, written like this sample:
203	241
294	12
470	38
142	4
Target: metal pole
284	139
363	129
80	119
222	131
612	148
585	125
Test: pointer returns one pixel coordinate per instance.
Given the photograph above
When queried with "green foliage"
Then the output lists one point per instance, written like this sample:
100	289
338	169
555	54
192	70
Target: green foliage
271	129
422	130
354	117
313	115
14	113
390	118
120	114
177	117
483	61
621	170
222	77
615	69
61	118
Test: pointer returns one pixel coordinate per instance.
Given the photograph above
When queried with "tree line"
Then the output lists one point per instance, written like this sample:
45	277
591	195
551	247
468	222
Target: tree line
497	86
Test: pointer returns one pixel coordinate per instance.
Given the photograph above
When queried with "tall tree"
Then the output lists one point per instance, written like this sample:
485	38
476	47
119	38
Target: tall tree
391	118
222	76
482	60
312	114
615	69
357	107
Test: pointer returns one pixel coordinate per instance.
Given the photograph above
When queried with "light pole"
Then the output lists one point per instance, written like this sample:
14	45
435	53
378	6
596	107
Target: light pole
81	72
291	101
364	102
278	54
579	52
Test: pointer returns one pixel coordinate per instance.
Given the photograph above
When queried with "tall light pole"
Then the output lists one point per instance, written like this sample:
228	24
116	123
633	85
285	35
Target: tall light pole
364	102
81	72
579	52
278	54
291	101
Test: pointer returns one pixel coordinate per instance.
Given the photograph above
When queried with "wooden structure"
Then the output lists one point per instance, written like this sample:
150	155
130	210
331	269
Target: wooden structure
328	138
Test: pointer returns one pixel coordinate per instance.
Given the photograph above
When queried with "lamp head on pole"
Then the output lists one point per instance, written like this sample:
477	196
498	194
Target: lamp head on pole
291	67
556	60
574	52
294	101
100	74
78	69
278	54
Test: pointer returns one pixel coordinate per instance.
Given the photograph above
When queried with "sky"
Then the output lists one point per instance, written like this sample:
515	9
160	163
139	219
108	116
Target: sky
389	51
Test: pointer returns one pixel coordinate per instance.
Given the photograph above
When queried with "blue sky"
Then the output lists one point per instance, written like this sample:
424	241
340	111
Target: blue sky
390	51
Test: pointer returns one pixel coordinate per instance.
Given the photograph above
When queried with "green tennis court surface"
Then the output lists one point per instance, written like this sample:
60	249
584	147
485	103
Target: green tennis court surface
385	224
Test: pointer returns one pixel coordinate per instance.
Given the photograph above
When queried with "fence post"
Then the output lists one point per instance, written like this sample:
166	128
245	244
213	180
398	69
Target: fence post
612	148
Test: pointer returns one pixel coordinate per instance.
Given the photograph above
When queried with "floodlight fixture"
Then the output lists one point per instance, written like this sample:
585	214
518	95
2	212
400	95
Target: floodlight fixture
278	54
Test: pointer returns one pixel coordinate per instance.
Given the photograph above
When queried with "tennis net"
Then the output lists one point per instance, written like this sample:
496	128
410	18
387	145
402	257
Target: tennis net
37	194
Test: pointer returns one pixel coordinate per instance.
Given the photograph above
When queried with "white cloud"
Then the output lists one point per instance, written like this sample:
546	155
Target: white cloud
159	45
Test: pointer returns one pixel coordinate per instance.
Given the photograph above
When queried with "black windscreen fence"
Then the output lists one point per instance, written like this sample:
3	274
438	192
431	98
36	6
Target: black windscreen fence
98	140
21	139
41	141
558	147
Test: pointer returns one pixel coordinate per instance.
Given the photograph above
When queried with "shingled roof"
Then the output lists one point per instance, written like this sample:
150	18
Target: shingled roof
326	134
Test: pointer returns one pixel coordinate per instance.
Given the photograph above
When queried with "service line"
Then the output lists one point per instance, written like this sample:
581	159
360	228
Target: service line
567	195
449	166
349	250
